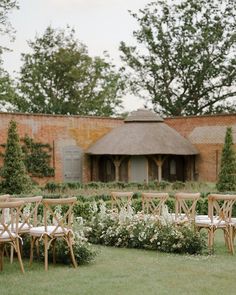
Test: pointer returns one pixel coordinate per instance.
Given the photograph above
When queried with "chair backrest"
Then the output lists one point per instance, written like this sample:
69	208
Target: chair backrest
185	206
29	212
12	223
220	207
65	219
121	200
152	203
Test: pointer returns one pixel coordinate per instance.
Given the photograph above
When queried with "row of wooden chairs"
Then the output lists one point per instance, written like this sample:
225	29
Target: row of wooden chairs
219	212
19	216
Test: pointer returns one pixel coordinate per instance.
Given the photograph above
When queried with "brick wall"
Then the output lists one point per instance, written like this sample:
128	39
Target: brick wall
59	132
205	132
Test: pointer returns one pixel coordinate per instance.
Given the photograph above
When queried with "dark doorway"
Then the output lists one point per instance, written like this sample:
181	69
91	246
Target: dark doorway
106	169
173	168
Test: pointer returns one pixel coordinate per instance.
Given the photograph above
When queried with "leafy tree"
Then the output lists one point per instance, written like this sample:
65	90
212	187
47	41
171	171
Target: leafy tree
6	6
184	60
7	89
59	77
15	178
227	175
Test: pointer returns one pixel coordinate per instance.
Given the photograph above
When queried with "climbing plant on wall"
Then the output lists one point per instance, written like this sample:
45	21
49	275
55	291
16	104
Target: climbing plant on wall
37	157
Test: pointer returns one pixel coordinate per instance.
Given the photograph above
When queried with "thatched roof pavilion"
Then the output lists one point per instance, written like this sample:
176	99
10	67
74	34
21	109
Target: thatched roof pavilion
145	134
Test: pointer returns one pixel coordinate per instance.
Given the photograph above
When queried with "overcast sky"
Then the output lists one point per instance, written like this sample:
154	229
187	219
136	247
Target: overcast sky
99	24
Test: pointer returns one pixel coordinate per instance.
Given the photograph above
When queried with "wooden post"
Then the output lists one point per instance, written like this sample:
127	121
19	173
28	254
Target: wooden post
117	162
159	163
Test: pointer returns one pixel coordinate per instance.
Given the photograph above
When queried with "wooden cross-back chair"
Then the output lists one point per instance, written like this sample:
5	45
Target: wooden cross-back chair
9	229
54	227
121	200
28	216
152	203
185	207
219	217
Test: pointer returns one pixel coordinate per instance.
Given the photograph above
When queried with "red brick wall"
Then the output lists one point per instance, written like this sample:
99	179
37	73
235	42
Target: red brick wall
60	131
208	160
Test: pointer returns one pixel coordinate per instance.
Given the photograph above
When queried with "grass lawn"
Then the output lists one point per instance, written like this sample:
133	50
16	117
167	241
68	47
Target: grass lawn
128	271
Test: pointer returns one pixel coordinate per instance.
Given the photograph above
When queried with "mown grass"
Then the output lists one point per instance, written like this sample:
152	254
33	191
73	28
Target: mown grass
128	271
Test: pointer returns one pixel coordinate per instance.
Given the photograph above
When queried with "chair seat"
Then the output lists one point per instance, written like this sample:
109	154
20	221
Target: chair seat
205	222
7	237
202	217
40	230
22	227
233	220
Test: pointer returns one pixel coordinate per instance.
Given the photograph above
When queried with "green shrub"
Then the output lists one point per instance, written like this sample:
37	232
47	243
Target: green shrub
178	185
15	178
52	186
227	175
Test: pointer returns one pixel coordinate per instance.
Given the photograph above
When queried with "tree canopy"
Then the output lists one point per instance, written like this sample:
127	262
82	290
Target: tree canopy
59	77
185	57
6	6
7	90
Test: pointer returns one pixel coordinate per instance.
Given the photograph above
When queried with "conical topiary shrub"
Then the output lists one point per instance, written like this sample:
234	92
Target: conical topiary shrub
15	178
227	175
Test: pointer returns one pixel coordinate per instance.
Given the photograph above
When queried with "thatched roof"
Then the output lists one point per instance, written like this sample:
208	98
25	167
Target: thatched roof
143	133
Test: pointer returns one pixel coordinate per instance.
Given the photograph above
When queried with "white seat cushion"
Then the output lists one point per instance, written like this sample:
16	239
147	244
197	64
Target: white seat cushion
207	222
6	236
22	227
40	230
202	217
233	220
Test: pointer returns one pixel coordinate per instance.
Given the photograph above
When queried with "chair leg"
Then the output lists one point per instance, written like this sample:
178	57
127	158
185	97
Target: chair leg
1	256
19	256
46	252
54	251
32	241
210	239
69	242
231	243
11	254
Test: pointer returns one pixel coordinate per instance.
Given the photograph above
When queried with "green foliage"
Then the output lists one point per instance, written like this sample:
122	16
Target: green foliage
6	7
59	77
7	91
37	157
101	187
15	178
178	185
227	175
184	58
